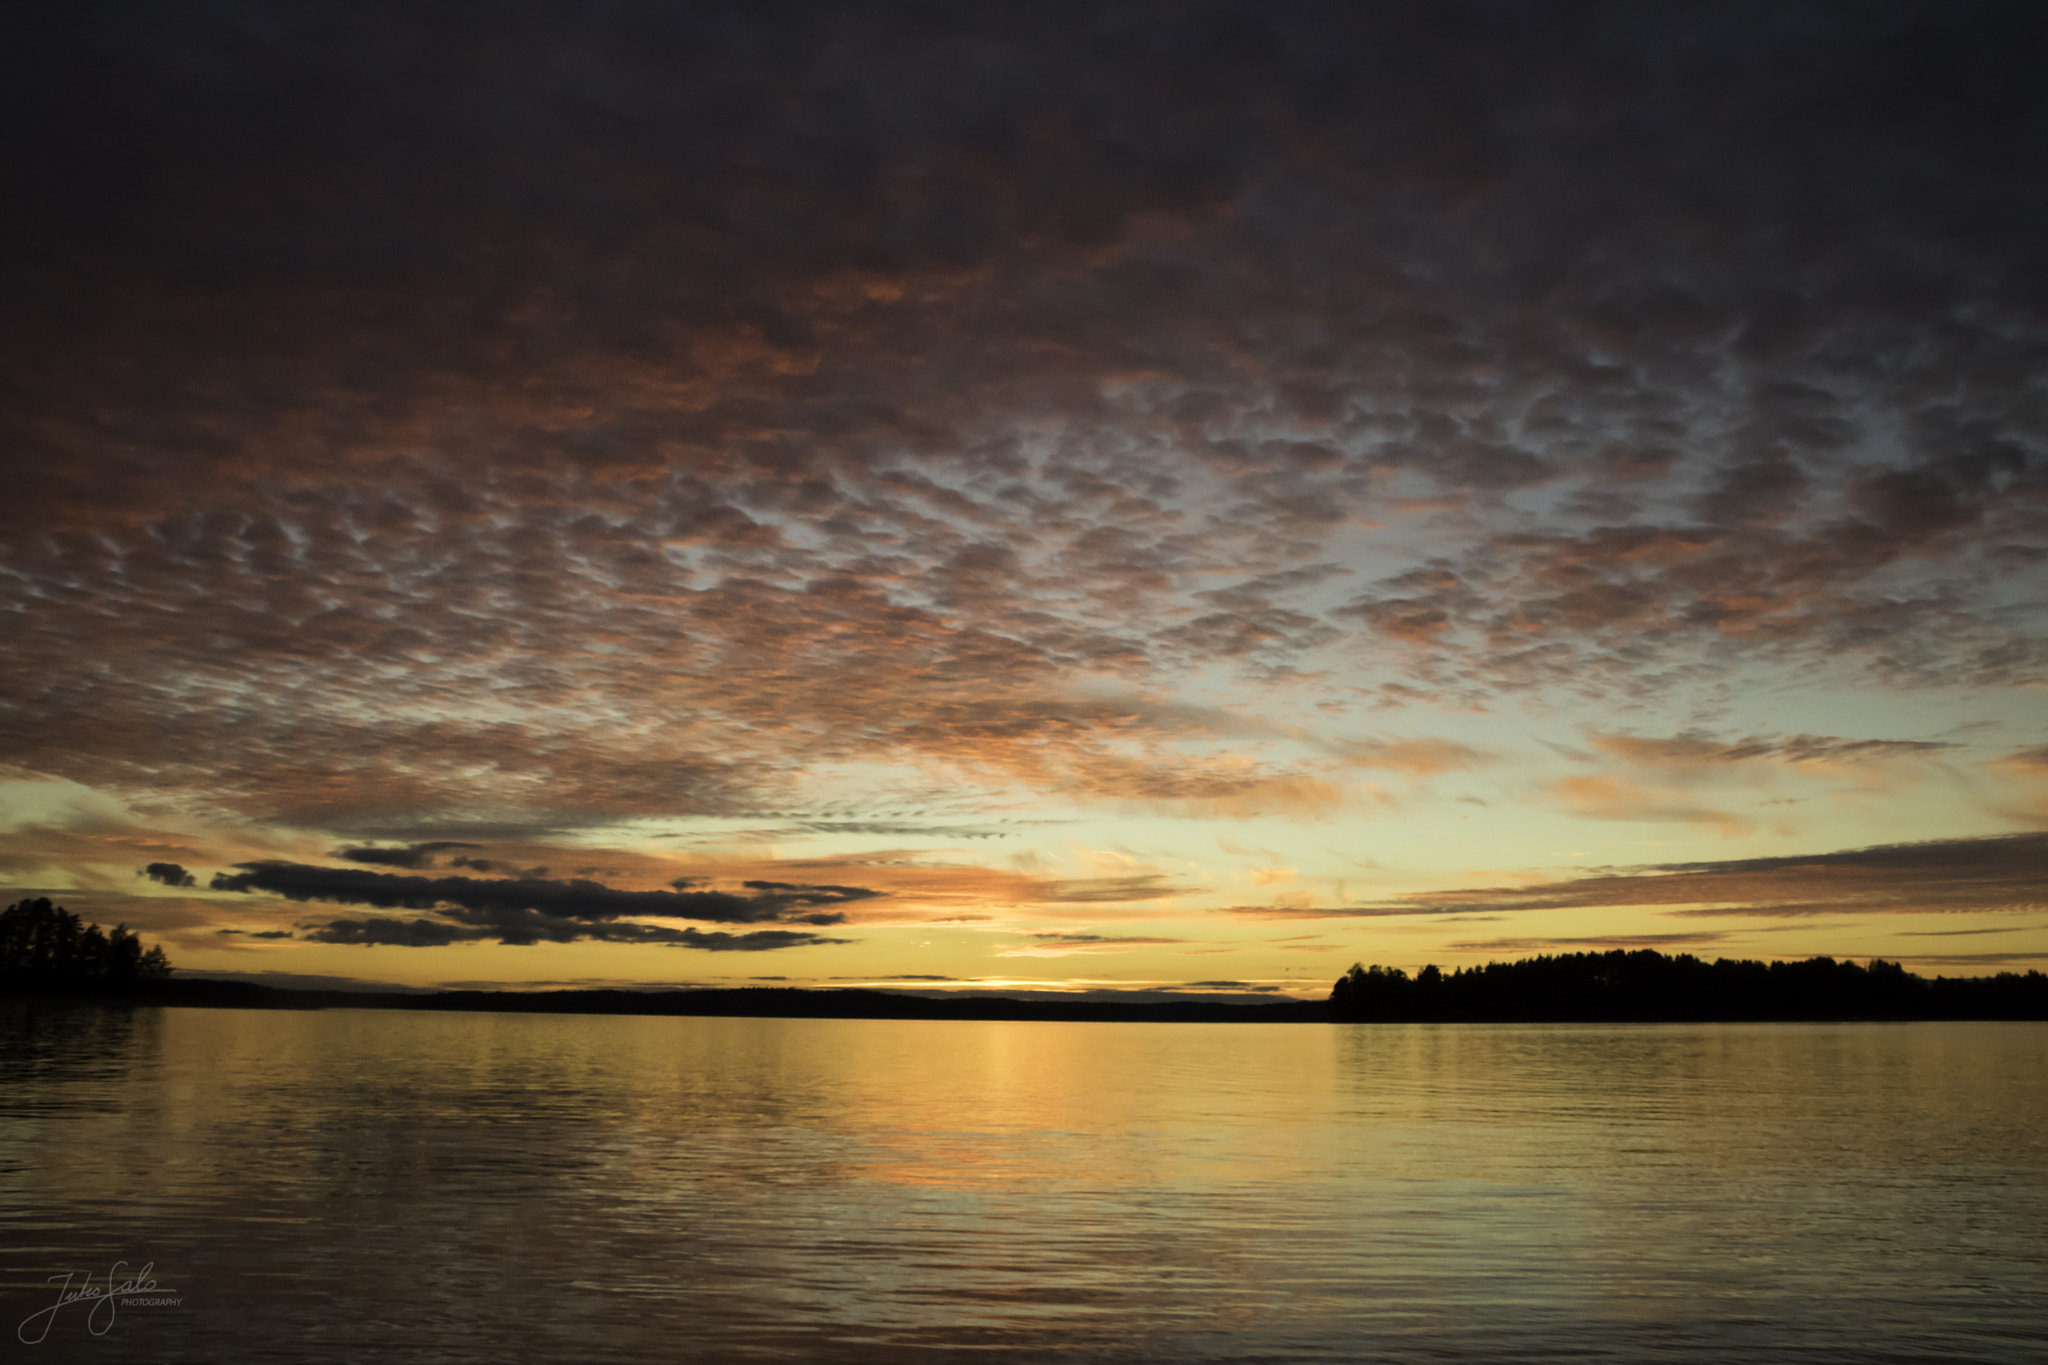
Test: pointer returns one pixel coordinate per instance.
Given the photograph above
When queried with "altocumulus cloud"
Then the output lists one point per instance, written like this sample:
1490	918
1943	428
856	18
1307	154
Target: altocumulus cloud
530	910
1096	410
1761	400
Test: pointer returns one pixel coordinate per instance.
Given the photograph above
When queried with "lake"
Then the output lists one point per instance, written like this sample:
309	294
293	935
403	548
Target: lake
350	1185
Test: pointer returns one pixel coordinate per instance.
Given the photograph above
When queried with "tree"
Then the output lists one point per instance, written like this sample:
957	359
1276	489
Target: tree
1372	993
1646	985
45	945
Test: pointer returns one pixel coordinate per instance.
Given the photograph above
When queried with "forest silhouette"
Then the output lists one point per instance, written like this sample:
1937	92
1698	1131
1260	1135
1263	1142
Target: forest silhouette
46	948
1647	985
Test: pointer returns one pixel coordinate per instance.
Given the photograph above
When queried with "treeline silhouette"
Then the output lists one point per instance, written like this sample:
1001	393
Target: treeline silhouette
755	1002
44	948
1647	985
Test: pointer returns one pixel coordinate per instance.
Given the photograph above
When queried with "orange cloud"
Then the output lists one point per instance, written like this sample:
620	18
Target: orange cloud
1415	757
2030	764
2006	874
1608	798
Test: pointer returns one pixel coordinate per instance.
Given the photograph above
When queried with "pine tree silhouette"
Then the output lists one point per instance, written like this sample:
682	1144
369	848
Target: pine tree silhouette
45	945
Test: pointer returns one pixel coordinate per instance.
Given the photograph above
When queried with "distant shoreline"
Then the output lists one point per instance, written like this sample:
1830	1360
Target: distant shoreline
798	1003
757	1002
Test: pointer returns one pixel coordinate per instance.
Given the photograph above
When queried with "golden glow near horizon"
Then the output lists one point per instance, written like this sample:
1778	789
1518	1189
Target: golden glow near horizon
1191	549
1486	839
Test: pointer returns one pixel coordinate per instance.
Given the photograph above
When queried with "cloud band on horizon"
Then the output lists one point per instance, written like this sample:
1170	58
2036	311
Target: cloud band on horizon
2007	873
525	910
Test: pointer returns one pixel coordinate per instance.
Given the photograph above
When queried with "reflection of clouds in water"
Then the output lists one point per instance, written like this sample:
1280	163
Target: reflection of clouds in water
467	1186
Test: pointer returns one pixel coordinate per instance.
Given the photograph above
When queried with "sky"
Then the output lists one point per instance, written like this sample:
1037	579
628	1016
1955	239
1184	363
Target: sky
1089	497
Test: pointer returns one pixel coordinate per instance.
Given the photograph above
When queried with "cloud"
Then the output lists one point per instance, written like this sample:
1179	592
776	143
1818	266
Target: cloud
414	933
2028	763
791	893
793	444
1609	798
1060	936
168	874
1146	886
412	856
1954	933
1823	749
1697	753
532	928
1102	406
93	839
573	899
1676	767
1064	944
888	829
2005	874
1417	757
1598	942
527	911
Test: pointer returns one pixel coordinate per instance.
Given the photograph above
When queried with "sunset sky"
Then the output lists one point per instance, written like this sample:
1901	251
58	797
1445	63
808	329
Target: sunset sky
1064	496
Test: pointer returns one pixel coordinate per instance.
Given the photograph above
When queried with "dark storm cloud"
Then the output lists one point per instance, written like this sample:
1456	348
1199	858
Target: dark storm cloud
707	385
524	903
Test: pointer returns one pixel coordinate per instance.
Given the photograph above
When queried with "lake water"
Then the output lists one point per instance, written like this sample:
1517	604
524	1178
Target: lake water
356	1185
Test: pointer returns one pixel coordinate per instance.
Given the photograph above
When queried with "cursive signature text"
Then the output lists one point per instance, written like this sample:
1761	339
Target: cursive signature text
105	1300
